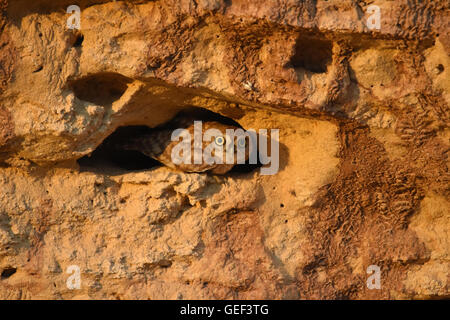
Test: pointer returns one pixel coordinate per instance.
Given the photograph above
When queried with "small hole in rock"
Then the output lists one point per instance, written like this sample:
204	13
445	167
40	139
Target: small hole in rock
439	68
165	263
281	205
8	272
78	41
102	89
38	69
311	54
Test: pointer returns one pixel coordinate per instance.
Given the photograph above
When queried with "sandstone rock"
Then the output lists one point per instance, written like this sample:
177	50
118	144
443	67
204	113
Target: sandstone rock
363	119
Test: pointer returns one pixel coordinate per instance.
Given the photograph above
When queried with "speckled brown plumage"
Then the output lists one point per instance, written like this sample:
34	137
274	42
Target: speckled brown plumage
157	144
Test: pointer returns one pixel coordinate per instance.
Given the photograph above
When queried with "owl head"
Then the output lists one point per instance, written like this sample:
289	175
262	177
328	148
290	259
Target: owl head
226	146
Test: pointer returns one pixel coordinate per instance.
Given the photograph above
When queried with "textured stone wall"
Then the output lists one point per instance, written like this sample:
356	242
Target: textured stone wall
364	138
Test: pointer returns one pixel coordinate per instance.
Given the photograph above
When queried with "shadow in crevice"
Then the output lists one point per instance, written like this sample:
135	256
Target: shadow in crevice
7	272
108	156
312	56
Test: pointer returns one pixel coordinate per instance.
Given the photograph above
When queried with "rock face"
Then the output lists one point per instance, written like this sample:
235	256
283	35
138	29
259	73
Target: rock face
363	118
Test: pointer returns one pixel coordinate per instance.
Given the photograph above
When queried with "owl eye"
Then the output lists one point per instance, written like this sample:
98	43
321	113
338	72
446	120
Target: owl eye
241	143
220	141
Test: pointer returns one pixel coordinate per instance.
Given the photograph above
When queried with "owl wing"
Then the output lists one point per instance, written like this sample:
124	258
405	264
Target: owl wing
152	145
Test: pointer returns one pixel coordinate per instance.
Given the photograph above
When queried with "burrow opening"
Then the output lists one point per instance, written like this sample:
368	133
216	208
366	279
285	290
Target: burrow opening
312	54
107	157
78	40
101	89
7	272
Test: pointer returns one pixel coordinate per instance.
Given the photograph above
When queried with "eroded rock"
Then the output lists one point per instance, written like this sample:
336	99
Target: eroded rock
363	160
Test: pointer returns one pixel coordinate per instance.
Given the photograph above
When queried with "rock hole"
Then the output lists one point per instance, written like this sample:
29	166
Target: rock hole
101	89
38	69
8	272
439	68
109	157
311	55
165	263
78	41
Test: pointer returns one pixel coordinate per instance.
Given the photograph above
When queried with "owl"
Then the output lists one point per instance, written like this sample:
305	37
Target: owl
158	144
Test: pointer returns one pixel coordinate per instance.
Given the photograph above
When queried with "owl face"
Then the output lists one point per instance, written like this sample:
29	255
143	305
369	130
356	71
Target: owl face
207	146
225	144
